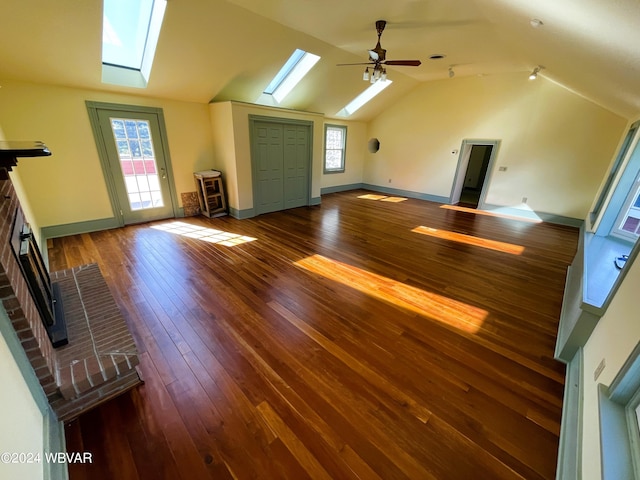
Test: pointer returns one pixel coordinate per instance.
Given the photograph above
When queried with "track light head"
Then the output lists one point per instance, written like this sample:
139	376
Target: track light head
533	75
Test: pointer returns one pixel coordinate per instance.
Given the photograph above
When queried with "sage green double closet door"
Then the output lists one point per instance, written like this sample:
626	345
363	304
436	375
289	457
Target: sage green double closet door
281	158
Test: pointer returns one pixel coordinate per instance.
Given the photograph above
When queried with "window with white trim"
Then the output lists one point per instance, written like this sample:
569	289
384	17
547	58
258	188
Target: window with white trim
628	222
130	33
335	144
291	73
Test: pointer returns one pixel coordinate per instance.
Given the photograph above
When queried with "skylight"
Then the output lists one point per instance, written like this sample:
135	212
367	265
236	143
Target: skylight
364	97
294	70
130	33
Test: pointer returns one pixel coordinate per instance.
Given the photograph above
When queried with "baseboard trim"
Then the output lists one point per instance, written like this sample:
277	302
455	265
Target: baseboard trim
406	193
55	231
340	188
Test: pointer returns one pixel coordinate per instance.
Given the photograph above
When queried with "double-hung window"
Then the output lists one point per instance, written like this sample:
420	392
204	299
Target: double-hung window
335	143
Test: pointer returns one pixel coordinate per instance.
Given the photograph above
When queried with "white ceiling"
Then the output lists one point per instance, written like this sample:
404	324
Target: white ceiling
221	50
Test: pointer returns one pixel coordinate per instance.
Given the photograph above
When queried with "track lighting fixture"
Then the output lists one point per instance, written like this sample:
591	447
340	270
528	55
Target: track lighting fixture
534	74
451	72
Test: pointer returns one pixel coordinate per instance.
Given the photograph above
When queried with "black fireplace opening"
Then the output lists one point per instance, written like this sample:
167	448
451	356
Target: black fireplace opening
45	294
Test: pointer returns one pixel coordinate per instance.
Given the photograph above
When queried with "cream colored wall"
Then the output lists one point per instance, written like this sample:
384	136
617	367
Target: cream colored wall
555	144
241	112
355	155
232	149
614	338
224	149
24	201
21	422
69	187
242	139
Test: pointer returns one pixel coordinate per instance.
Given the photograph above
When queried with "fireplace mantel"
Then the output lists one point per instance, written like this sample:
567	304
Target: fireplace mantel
10	151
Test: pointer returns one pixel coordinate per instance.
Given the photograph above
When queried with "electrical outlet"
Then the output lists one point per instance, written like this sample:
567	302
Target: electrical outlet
389	180
502	169
599	369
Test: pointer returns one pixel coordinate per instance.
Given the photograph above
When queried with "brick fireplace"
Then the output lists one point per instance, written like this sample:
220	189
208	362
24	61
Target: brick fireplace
100	360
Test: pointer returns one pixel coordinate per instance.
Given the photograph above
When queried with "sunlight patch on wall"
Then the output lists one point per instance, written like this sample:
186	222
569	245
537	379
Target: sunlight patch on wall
471	240
442	309
528	215
205	234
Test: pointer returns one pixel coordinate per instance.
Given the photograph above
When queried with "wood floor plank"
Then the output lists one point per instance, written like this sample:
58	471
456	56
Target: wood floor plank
356	339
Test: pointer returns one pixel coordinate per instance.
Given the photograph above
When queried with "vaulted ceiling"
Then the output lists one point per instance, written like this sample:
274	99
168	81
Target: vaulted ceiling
230	50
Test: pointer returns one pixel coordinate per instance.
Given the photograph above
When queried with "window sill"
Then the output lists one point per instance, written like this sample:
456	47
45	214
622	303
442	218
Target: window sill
592	281
600	272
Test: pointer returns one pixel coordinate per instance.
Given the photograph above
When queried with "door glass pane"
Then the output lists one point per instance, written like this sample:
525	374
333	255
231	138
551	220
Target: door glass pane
137	162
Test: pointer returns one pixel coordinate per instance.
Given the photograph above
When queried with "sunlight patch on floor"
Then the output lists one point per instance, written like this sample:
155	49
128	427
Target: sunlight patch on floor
205	234
471	240
528	215
382	198
442	309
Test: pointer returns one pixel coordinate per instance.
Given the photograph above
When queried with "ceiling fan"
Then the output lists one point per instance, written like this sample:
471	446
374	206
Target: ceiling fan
378	59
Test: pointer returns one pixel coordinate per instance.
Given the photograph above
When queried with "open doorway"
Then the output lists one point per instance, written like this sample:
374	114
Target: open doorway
474	165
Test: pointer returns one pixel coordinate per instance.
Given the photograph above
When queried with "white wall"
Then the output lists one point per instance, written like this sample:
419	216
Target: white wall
555	144
21	422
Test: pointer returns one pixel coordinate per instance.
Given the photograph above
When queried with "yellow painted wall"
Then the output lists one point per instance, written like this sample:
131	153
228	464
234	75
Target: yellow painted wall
232	149
555	144
224	148
69	187
21	422
238	156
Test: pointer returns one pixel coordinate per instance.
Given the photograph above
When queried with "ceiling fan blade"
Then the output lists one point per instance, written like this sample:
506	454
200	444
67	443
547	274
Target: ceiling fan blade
347	64
408	63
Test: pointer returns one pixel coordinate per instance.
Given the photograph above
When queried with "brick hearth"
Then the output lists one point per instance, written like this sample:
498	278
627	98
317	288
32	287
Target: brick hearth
99	361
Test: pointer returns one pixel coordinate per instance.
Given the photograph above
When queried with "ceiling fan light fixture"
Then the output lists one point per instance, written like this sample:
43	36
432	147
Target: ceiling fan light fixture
378	60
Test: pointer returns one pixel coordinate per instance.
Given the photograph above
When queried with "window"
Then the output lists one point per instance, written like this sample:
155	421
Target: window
130	33
628	223
364	97
613	173
335	142
294	70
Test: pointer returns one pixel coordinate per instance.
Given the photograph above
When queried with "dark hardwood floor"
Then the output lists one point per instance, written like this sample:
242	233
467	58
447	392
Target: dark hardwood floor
343	342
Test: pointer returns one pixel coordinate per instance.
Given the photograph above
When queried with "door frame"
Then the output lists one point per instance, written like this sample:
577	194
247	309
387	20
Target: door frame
463	163
253	119
92	109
